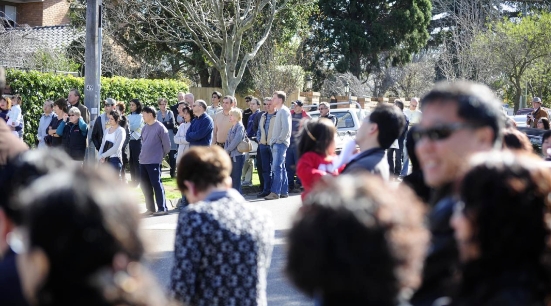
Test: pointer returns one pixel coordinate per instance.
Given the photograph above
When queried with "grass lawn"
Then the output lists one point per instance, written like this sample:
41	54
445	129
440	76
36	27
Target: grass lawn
171	190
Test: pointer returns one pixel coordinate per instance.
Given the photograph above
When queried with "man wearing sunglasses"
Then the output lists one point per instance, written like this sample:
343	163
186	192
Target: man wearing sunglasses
459	119
376	134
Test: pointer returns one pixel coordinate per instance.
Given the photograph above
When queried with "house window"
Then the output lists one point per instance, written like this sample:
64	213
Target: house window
10	12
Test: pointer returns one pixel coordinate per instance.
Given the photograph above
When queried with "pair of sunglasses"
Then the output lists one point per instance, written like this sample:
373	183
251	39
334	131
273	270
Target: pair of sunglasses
439	132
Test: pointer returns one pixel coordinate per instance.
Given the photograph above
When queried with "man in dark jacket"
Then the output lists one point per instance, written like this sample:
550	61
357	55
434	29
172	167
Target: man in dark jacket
394	155
101	121
377	133
74	99
459	119
325	112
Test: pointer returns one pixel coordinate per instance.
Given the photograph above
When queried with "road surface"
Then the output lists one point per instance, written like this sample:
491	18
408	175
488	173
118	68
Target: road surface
159	235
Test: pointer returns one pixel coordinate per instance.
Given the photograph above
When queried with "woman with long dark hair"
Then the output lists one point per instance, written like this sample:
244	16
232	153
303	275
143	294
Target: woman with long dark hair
502	231
79	243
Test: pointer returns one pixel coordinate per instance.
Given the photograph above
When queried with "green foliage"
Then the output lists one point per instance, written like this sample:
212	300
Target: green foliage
513	47
36	87
362	32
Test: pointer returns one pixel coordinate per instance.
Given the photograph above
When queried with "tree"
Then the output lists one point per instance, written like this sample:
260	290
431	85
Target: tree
515	46
274	68
415	78
358	31
228	33
334	85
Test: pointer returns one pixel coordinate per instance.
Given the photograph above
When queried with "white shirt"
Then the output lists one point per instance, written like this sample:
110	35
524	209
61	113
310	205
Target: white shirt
414	116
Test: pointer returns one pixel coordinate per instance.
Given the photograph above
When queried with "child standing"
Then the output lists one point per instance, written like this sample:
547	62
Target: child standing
14	115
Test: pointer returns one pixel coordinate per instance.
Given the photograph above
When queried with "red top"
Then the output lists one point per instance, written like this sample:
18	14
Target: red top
311	167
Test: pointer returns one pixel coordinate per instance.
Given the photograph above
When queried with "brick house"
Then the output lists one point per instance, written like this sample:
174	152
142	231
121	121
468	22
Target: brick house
35	13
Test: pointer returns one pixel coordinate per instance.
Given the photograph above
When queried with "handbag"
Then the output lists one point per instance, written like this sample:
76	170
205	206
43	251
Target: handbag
245	146
108	145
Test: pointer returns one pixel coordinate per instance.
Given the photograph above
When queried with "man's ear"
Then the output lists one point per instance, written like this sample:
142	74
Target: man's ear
191	188
374	127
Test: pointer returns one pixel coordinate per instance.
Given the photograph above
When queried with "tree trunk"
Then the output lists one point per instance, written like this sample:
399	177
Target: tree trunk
518	94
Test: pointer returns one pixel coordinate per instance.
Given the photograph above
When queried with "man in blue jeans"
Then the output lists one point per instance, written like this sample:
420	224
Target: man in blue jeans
279	142
265	130
155	145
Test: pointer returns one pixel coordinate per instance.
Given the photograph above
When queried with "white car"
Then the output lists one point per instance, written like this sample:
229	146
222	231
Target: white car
348	123
520	120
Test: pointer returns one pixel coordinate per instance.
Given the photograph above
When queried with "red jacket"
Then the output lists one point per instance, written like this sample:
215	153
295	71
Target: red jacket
311	167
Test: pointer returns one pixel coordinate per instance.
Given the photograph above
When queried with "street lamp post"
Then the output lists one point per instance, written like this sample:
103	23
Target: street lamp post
347	90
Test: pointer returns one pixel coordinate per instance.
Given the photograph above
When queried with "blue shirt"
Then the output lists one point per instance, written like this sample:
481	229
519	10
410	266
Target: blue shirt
200	131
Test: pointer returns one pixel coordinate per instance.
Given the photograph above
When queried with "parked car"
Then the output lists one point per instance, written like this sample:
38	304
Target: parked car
520	120
348	123
524	111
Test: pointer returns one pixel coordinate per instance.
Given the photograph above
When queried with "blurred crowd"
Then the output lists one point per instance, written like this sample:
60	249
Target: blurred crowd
468	225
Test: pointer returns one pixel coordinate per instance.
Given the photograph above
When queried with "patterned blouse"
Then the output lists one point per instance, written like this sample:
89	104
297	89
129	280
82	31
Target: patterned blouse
222	252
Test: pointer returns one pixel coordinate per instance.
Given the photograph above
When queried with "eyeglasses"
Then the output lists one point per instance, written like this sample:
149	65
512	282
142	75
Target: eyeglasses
440	132
71	115
321	108
162	103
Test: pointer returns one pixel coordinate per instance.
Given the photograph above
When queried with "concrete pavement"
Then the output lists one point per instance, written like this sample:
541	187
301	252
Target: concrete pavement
159	235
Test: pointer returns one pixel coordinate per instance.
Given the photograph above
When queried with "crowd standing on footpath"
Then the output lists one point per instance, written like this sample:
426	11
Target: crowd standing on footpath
468	225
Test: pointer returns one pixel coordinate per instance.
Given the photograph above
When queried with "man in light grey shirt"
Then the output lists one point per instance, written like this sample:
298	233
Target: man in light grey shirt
279	142
45	122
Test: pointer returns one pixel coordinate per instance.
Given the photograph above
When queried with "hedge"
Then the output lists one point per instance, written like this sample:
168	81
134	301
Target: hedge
36	87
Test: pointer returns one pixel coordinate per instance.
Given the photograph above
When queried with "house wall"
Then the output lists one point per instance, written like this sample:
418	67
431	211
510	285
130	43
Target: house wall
36	14
55	12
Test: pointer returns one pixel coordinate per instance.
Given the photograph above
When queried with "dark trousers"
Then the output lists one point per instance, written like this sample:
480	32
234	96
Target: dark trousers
134	161
172	162
394	157
115	162
266	153
151	182
291	160
124	163
259	169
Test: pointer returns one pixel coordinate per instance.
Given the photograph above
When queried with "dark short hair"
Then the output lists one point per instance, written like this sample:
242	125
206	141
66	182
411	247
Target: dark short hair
390	121
76	92
506	201
514	139
61	103
316	136
399	103
203	166
476	104
23	170
231	98
150	110
116	115
249	98
138	105
281	94
217	93
545	123
356	237
90	211
188	109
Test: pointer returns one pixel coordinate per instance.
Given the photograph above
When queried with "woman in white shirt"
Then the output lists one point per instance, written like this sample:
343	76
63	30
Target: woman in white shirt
112	142
185	112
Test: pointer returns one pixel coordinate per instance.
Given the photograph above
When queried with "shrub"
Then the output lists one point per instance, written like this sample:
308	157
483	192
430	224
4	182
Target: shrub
36	87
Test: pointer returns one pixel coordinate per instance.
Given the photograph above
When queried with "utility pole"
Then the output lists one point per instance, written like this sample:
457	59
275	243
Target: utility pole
92	69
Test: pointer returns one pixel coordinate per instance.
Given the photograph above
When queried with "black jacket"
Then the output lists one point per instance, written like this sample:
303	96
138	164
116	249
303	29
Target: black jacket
10	287
332	118
246	114
50	140
442	261
97	132
74	142
256	122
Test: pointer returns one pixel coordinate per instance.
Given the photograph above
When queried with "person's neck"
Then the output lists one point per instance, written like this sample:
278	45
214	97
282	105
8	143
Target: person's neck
412	109
151	122
368	145
271	113
47	113
201	196
199	115
226	113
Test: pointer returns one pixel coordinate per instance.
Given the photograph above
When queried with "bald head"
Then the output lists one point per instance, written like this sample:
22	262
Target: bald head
413	103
